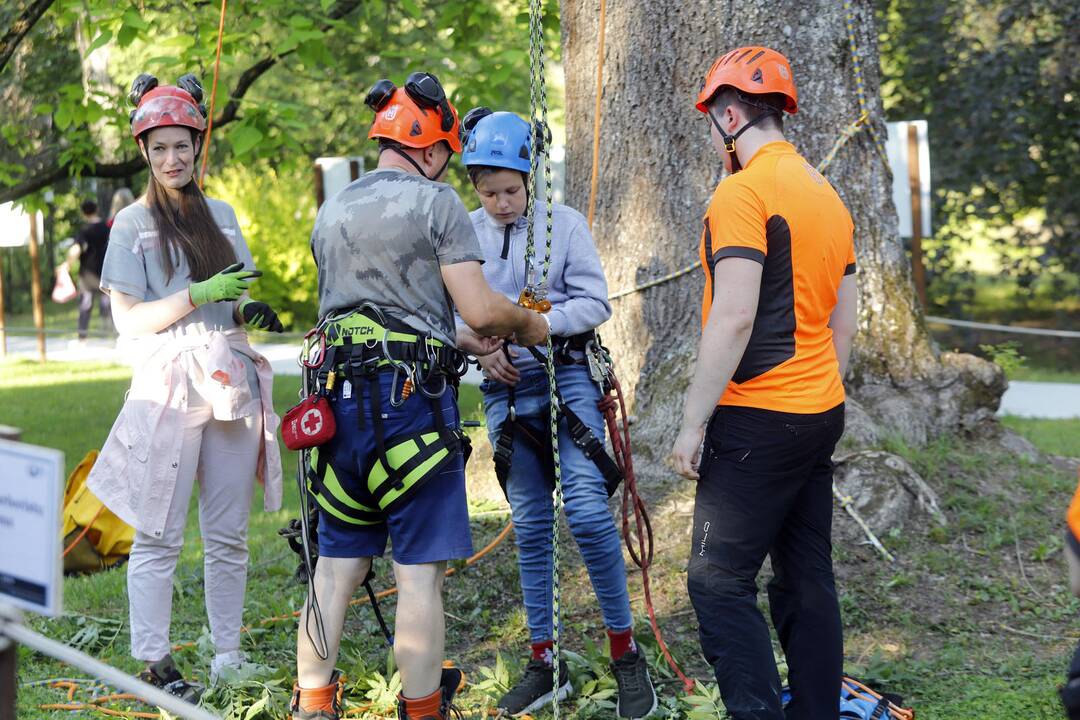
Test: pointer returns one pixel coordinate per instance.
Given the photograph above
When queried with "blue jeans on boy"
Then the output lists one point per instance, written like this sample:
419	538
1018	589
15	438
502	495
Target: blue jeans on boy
584	495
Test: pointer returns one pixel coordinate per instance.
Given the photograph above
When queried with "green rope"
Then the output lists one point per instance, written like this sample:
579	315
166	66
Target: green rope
538	285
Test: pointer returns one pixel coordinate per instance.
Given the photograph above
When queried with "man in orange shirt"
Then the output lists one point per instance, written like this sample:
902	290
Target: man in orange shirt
766	405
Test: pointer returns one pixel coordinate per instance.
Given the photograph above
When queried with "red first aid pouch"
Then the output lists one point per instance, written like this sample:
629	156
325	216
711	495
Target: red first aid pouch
308	424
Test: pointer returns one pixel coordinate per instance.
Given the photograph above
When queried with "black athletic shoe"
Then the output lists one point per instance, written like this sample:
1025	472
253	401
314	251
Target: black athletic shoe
535	689
165	675
637	698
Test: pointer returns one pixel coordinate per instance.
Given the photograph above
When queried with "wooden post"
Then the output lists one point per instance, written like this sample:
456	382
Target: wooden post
320	192
35	288
918	272
354	169
9	655
3	333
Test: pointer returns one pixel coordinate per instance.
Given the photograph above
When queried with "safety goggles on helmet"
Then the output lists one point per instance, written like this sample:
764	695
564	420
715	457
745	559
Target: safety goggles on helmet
425	89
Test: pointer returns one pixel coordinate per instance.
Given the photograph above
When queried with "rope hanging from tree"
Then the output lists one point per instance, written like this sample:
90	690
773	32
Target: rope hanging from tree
213	96
536	291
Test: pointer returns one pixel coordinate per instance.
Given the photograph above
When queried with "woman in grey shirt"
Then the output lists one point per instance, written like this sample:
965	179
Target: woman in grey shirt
177	270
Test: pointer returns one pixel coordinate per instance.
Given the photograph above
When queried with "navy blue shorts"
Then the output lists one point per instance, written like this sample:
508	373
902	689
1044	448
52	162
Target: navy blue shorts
433	525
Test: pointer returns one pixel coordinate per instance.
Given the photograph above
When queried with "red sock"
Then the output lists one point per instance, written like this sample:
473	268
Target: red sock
621	642
543	651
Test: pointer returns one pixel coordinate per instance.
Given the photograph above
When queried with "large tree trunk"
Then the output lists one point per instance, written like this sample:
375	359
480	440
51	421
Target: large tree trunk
658	169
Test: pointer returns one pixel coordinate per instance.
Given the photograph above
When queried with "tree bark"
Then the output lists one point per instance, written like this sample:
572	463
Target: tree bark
658	170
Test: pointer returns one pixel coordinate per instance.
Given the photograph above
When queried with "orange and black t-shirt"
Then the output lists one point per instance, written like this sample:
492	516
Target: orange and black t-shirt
783	213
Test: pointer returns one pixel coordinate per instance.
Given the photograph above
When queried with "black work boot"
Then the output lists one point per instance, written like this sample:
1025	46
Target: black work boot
536	688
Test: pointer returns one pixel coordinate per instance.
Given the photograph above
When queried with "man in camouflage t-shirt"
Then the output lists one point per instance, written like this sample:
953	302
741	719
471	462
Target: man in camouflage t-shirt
402	241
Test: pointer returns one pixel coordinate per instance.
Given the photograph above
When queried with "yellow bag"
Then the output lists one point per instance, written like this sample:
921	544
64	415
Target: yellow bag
94	538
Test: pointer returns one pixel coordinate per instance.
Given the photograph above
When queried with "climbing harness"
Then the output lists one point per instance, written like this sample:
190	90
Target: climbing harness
575	350
858	702
356	347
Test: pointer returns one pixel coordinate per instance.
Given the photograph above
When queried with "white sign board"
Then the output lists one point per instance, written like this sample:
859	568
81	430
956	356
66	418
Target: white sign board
897	148
15	226
336	173
31	493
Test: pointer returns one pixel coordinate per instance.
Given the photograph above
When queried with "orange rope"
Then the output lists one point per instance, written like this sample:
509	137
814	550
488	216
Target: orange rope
213	96
595	180
85	530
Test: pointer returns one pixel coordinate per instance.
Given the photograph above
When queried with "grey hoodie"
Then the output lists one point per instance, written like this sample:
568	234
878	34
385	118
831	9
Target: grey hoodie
577	287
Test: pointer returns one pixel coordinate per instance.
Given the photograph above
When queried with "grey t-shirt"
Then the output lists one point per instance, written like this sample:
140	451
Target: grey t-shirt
133	267
383	239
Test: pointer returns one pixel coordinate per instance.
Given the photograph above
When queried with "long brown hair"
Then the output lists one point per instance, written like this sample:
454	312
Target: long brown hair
188	227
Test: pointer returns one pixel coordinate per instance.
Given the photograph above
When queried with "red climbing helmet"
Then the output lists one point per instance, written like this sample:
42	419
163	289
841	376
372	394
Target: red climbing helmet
165	105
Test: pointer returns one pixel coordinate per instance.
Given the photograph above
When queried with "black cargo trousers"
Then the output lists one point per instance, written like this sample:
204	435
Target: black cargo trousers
766	488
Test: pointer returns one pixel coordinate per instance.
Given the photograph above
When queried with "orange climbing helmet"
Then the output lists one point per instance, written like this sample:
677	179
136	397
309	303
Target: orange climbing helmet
417	115
752	70
163	105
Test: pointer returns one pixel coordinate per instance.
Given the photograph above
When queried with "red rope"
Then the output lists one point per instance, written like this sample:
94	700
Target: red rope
643	555
213	96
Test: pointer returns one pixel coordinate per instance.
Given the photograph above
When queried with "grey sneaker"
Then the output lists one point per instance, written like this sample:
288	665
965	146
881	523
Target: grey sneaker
637	698
535	689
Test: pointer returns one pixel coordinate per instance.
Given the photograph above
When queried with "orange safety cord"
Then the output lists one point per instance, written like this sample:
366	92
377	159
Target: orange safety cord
213	96
595	179
82	534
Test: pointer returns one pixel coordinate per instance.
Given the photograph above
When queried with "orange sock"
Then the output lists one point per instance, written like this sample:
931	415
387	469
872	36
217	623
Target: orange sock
422	708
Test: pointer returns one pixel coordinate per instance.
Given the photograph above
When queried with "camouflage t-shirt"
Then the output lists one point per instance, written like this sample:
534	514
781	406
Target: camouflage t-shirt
382	240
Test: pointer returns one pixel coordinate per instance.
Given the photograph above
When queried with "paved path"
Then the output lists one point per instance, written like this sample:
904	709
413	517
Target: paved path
282	356
1026	399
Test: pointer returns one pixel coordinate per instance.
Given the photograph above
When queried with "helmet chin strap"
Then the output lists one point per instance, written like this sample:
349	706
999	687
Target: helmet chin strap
416	165
729	140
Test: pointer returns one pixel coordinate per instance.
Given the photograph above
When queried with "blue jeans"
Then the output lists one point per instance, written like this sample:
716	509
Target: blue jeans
584	495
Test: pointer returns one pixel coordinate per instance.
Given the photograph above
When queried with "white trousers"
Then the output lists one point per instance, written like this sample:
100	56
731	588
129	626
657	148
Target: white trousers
221	455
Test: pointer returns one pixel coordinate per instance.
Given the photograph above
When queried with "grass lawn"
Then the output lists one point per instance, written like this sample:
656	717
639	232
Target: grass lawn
972	621
1059	437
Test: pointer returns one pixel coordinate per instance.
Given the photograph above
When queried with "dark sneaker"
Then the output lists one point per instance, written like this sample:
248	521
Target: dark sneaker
637	698
535	689
165	675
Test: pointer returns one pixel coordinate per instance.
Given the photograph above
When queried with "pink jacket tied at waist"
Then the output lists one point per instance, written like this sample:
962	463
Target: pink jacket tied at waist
135	474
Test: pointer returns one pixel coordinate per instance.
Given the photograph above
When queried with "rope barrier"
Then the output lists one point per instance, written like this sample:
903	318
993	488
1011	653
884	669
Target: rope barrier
1073	334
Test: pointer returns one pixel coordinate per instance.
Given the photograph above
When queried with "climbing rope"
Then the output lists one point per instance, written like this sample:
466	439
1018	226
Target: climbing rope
860	88
538	283
213	96
594	181
643	555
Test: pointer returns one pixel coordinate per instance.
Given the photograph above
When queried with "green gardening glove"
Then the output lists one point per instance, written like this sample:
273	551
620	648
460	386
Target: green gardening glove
259	315
229	284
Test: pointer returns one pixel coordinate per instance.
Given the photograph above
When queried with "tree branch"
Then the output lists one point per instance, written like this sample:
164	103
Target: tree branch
20	27
52	174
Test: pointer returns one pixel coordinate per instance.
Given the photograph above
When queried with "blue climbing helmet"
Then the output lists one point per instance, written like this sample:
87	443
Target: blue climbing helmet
496	139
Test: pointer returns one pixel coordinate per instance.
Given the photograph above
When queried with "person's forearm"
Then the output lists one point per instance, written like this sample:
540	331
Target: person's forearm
723	343
842	343
500	317
145	318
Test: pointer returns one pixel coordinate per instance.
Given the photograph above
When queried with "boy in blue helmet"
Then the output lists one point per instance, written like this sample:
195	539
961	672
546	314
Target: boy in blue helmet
497	149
